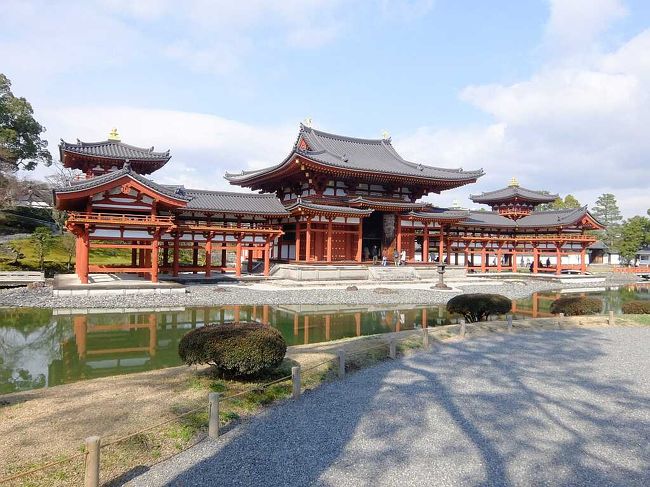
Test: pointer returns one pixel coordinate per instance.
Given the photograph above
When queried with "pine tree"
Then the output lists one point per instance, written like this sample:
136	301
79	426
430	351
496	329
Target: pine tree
607	212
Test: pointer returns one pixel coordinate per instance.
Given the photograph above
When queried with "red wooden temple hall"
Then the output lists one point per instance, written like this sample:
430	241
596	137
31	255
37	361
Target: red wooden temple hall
333	199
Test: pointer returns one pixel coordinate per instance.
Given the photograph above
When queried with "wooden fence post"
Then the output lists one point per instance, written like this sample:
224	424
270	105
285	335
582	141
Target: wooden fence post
295	381
341	354
392	349
213	415
91	475
509	317
425	338
462	328
610	320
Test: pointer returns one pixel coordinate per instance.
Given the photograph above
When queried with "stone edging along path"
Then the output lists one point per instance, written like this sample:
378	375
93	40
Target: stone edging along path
215	295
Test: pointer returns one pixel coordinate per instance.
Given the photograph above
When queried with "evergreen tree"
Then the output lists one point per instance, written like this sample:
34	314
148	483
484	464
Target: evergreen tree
569	201
635	234
607	212
21	146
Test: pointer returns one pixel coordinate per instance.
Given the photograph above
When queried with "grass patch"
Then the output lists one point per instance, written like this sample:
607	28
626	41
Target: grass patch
639	319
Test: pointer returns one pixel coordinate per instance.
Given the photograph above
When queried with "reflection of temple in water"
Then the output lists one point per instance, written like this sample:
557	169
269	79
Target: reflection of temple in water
104	342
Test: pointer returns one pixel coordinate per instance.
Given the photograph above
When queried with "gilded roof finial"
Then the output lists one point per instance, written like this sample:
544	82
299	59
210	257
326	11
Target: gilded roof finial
113	135
307	122
513	182
385	135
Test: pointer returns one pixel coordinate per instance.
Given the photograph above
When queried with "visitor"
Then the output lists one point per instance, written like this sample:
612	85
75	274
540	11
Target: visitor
396	257
375	254
548	262
402	260
531	267
384	259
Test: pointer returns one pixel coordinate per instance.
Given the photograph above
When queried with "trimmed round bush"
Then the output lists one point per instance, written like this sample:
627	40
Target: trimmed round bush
636	307
478	307
234	349
576	306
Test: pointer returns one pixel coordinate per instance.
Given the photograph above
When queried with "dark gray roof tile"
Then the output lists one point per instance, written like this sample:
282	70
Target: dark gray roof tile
514	192
232	202
113	149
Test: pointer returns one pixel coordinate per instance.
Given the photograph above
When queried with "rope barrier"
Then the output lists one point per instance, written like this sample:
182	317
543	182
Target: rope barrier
42	467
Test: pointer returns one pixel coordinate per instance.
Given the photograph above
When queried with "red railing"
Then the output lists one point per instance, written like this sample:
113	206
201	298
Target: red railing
123	219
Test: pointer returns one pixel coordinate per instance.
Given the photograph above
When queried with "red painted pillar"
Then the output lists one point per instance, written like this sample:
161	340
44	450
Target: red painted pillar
425	243
154	257
308	241
83	261
329	240
267	257
359	240
208	257
176	256
195	255
535	259
441	245
298	229
238	257
583	261
398	232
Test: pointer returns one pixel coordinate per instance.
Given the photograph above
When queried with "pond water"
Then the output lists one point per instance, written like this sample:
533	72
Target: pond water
47	347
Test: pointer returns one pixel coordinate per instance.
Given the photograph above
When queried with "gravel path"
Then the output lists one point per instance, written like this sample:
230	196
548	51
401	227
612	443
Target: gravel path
215	295
563	407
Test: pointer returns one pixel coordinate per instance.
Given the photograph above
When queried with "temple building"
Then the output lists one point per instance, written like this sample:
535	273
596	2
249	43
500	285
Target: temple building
332	200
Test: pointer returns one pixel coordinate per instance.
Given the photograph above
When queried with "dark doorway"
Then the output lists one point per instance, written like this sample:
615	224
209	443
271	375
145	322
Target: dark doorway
372	229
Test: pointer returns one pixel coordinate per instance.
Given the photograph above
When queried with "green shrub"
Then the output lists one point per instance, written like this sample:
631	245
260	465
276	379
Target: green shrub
478	307
234	350
576	306
636	307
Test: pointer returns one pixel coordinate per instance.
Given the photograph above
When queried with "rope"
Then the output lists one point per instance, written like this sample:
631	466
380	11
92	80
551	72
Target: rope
42	467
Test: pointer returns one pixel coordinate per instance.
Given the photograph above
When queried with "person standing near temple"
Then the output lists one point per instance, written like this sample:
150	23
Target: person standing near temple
375	254
396	257
402	260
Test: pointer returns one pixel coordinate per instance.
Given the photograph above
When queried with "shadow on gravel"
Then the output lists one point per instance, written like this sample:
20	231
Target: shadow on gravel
536	408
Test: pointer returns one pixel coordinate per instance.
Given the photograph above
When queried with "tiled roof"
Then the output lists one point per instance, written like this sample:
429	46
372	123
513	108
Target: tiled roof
113	149
537	219
598	245
328	208
376	155
361	201
81	185
441	214
514	192
231	202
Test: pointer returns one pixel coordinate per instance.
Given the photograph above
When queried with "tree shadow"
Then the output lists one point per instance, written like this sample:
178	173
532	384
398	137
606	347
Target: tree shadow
533	408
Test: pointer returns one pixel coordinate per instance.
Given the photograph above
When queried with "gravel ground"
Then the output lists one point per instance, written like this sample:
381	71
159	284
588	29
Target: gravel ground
562	407
215	295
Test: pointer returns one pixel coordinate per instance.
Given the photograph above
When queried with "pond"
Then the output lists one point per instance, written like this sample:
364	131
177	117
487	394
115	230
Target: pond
48	347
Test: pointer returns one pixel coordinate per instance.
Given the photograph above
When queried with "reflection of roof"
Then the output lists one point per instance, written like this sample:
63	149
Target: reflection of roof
113	149
376	155
97	181
344	210
231	202
512	193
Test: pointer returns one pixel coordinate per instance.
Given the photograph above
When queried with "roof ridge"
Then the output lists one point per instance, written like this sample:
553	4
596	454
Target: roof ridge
231	193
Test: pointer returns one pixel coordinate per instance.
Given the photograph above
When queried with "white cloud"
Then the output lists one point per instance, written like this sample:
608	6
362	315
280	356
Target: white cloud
203	147
578	128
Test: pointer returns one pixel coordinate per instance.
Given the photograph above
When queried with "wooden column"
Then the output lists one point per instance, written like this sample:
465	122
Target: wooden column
176	256
398	233
195	255
425	243
558	257
165	253
499	257
267	256
134	257
483	257
298	229
84	248
208	256
441	245
583	261
514	257
329	240
359	241
535	259
238	257
308	241
155	243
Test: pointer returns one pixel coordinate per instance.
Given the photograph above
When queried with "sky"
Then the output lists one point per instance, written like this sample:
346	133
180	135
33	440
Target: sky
553	92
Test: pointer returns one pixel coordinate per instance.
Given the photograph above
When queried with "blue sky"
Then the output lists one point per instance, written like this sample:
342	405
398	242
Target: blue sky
554	92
